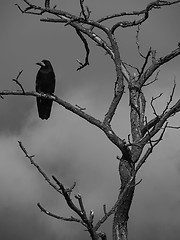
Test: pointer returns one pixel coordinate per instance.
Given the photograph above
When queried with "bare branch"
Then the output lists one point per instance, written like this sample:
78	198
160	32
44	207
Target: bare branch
66	195
152	100
30	157
154	66
124	24
70	219
143	159
174	127
47	3
170	98
82	65
74	21
150	149
104	209
137	42
129	65
69	190
65	104
104	127
83	10
162	119
121	74
17	81
91	216
149	125
113	106
155	79
22	11
153	5
148	132
79	198
137	183
81	212
145	62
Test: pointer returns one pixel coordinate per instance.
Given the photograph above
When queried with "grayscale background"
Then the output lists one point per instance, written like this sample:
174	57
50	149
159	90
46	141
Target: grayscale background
69	147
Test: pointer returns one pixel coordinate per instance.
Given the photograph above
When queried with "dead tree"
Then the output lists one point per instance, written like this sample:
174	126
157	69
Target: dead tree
141	141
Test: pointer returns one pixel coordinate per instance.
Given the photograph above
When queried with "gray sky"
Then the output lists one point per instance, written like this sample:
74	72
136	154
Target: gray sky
67	146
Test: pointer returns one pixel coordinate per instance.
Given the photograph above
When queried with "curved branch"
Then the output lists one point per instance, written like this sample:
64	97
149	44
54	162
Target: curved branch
153	5
82	65
150	6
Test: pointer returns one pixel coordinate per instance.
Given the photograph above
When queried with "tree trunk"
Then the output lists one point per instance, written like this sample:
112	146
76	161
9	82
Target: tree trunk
120	231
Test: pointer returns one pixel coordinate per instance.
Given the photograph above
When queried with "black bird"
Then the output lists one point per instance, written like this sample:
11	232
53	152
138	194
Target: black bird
45	83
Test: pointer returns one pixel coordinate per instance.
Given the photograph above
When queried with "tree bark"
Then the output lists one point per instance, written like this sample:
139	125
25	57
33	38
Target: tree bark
120	231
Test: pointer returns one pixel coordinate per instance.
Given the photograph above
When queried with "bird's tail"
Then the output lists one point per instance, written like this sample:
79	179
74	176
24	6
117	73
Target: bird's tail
44	108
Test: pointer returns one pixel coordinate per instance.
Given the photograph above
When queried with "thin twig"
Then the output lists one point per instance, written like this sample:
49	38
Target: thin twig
152	100
132	67
155	79
174	127
30	157
83	11
104	209
145	62
70	219
137	42
17	81
170	97
79	198
148	132
82	65
47	3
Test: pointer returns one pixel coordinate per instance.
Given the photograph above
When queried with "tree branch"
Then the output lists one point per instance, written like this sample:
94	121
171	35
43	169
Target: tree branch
153	5
156	64
82	65
83	11
30	157
63	103
66	194
170	98
72	20
160	121
105	128
17	81
70	219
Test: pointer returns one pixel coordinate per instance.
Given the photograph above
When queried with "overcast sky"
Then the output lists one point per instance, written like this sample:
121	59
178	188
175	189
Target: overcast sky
69	147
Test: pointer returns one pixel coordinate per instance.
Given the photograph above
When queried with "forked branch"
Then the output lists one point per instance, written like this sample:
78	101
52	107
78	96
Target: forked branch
66	193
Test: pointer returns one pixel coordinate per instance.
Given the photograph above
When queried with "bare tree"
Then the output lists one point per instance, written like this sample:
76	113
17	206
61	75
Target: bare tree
141	141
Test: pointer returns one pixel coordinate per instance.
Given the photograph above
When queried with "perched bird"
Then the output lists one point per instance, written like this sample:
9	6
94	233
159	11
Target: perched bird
45	83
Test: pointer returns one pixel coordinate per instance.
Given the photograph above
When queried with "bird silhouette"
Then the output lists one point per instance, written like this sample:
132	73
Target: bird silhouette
45	83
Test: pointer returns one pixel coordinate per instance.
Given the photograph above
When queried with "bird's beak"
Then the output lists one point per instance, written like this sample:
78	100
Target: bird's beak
41	64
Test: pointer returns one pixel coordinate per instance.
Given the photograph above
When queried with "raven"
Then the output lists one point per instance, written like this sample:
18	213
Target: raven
45	83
